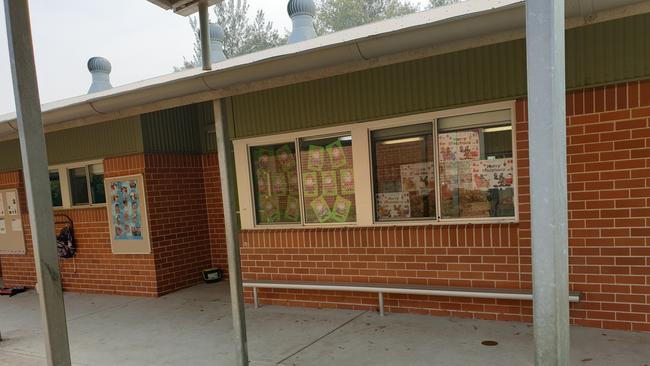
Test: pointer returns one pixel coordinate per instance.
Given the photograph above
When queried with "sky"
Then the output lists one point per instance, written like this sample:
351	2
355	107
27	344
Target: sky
140	40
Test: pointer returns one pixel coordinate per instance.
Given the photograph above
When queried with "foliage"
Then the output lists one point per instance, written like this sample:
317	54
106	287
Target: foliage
439	3
336	15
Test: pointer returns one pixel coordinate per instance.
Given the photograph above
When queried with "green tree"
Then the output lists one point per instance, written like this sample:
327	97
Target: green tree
242	34
439	3
336	15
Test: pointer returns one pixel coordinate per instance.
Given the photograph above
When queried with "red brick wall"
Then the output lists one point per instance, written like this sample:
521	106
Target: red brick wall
609	191
185	224
213	199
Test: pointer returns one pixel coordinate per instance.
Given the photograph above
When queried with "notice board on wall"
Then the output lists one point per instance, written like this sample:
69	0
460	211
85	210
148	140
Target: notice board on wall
127	215
12	239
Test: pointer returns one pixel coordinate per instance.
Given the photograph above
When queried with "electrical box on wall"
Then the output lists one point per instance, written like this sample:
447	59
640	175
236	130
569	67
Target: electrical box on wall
12	239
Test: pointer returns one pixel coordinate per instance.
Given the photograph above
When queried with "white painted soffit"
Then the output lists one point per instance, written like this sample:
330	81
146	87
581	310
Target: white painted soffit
463	21
182	7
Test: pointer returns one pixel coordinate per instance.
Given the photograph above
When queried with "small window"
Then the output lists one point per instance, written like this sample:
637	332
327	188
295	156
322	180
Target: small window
476	166
97	183
55	188
275	184
327	179
87	185
404	173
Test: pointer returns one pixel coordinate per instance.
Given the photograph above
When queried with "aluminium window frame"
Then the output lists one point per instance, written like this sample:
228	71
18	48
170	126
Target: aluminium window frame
66	191
362	169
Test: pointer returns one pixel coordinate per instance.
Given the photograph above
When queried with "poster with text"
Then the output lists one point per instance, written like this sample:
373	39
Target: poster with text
417	177
3	226
310	184
336	154
497	173
347	181
269	210
284	158
393	205
328	184
12	203
264	159
279	184
16	225
459	145
341	209
127	211
316	158
321	209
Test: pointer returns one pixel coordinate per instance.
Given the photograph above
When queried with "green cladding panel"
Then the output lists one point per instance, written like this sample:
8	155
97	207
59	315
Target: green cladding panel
596	54
177	130
96	141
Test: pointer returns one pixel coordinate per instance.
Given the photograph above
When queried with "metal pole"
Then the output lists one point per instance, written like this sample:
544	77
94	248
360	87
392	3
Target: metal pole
37	183
548	179
204	21
226	159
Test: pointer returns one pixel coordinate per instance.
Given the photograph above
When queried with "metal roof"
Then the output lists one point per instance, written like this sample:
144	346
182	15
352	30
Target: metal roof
182	7
440	27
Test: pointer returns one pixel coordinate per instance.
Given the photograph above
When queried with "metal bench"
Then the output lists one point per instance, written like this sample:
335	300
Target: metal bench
381	289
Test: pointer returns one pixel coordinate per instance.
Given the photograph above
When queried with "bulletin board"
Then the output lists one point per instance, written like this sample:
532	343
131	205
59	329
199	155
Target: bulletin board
127	215
12	240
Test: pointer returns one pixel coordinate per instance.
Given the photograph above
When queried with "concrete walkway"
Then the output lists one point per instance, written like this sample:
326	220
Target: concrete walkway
192	328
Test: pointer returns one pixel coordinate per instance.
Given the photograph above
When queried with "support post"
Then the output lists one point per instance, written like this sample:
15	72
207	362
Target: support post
548	179
204	28
256	300
37	183
381	304
226	160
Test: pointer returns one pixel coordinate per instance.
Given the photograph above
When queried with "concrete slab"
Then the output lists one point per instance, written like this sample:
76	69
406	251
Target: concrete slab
193	327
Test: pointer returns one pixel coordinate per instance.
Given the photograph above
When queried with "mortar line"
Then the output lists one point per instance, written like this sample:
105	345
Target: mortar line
321	337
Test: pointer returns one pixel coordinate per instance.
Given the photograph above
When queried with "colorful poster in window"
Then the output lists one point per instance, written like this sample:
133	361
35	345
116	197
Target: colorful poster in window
292	213
3	227
126	210
417	177
328	183
315	158
285	159
393	205
460	145
336	154
279	184
341	209
321	209
264	160
347	181
292	181
269	209
497	173
263	182
12	203
310	184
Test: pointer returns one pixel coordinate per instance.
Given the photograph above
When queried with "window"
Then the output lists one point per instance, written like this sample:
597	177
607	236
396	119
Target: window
77	185
456	166
55	188
403	172
476	166
327	179
275	183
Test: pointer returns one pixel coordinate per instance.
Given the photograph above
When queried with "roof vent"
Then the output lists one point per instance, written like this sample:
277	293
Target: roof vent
217	36
302	13
100	69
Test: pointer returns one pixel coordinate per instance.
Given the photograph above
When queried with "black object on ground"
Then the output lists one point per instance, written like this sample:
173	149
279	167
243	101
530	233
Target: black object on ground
12	291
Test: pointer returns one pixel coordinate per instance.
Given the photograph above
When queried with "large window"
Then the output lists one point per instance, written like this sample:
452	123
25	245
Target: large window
441	167
404	172
80	184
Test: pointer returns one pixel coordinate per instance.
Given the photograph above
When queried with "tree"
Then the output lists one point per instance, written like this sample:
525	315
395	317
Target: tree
242	34
439	3
336	15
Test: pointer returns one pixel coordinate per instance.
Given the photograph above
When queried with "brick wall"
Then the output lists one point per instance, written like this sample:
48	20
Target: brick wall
213	198
185	227
609	192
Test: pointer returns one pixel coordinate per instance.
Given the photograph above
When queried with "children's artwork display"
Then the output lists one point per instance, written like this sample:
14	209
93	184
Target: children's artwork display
497	173
276	187
417	177
12	240
459	145
327	180
393	205
127	211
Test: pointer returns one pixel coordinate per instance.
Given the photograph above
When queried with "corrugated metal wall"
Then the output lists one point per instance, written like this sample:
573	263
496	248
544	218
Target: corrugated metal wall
178	130
97	141
596	54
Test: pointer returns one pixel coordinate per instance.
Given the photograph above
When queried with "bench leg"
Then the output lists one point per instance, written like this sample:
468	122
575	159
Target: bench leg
381	304
255	299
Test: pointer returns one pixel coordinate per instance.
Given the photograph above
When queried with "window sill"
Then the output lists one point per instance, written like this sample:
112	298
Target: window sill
97	205
509	220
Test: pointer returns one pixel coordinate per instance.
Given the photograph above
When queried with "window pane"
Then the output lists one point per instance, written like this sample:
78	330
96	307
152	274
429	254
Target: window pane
404	173
476	172
328	179
78	186
97	183
55	188
275	184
